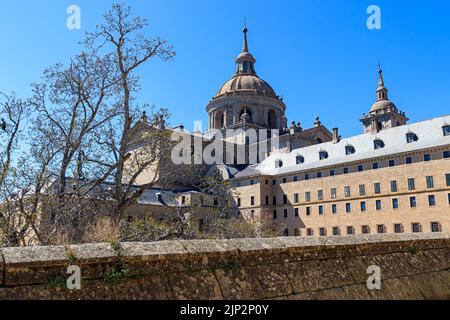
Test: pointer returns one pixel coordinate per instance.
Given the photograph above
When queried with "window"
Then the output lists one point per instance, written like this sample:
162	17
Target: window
365	230
274	182
284	180
275	214
336	231
398	228
252	213
412	202
347	192
446	154
378	205
332	173
321	210
435	227
446	130
431	200
448	198
381	228
362	190
411	184
286	214
286	232
391	163
309	232
267	182
320	195
308	211
295	179
252	182
319	175
394	186
239	202
322	232
348	207
297	232
285	199
183	200
408	160
333	193
296	198
346	171
350	231
378	144
300	159
360	168
252	201
363	206
274	200
278	163
307	176
323	155
427	157
430	182
447	179
395	203
308	196
267	200
375	166
416	228
296	213
411	137
349	150
377	188
334	208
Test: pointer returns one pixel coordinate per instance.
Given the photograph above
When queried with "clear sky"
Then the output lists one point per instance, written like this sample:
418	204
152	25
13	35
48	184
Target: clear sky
318	54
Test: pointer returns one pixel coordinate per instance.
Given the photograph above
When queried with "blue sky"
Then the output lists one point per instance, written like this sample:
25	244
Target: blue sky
317	54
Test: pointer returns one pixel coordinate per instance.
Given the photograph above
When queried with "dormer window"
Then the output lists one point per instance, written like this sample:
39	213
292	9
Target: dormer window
411	137
278	164
323	155
446	130
349	150
378	144
300	159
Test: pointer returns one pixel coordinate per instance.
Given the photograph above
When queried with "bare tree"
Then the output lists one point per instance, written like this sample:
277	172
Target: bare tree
13	112
122	34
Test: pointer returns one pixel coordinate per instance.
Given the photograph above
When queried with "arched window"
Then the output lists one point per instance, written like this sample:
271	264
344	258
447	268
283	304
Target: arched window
299	159
323	155
278	163
411	137
319	141
446	130
349	149
272	119
378	144
219	119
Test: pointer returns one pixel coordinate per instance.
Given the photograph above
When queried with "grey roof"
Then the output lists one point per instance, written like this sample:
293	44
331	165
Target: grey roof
429	135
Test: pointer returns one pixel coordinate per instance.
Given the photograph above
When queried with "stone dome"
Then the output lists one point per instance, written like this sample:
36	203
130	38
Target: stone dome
382	104
246	83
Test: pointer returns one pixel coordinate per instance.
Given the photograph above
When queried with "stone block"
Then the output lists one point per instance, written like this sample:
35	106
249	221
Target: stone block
197	285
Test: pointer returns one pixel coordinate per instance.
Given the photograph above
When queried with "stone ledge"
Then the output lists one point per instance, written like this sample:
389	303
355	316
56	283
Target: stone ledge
333	267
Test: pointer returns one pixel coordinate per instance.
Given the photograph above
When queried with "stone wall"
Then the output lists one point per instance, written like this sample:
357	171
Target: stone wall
412	267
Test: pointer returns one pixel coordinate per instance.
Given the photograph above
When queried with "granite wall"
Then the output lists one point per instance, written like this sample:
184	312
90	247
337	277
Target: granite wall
412	267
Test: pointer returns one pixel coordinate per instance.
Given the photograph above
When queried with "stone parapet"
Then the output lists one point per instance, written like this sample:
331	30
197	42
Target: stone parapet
412	267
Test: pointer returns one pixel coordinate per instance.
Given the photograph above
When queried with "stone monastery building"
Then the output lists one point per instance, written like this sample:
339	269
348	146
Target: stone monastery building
393	178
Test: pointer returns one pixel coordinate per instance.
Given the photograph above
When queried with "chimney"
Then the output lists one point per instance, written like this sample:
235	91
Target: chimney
336	136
